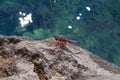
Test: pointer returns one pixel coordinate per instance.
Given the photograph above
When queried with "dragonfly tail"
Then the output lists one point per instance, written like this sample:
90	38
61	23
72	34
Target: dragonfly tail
73	41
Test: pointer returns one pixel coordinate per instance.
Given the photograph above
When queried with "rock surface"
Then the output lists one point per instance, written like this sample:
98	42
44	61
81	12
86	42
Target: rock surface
26	59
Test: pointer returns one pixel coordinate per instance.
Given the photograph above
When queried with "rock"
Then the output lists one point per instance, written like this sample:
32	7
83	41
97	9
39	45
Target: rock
26	59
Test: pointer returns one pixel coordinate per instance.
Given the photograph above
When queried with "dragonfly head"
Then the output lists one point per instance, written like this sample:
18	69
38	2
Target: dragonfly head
59	38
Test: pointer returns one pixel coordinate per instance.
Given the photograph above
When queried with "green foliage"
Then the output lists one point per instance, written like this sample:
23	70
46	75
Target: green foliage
28	34
38	33
20	30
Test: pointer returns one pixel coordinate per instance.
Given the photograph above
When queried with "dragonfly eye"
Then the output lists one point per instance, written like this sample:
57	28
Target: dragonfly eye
56	38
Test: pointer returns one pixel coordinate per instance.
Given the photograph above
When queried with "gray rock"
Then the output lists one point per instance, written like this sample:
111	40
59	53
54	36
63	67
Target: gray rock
26	59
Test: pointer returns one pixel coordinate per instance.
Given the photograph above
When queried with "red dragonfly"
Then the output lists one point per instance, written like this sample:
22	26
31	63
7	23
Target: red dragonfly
63	40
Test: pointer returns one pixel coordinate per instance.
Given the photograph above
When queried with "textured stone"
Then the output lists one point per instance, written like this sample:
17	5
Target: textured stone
26	59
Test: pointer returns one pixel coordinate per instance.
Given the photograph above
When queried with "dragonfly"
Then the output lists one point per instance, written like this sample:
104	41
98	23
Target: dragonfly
62	40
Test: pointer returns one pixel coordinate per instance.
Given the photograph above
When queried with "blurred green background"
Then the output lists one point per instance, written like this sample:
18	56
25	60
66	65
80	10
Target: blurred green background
95	23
